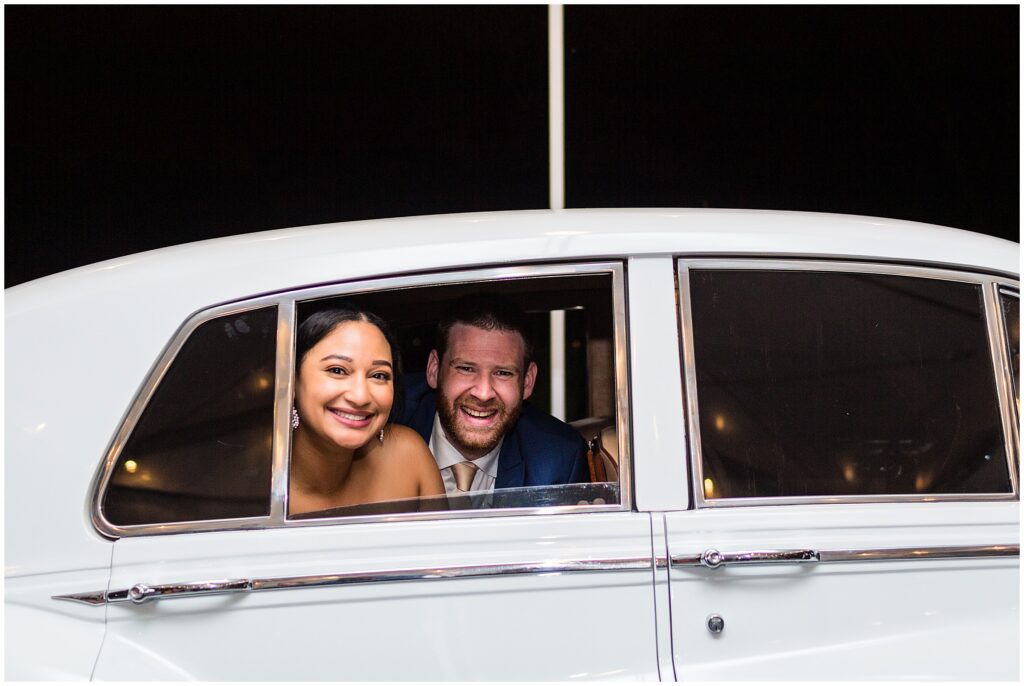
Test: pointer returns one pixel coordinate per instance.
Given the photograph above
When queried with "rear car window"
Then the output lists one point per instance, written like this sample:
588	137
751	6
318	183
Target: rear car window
202	447
824	383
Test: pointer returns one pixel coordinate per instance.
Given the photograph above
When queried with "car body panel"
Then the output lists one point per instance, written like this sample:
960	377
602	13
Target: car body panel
444	628
49	640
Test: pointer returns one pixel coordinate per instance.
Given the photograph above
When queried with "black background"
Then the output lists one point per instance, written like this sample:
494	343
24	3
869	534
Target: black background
131	128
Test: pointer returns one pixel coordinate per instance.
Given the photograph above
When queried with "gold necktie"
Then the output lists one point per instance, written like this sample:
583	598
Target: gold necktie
464	473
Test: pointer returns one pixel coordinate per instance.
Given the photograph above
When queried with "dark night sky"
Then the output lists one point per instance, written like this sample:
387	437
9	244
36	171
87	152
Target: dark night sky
130	128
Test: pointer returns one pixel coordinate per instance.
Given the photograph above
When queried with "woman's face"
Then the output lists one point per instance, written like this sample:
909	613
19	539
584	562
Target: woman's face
345	388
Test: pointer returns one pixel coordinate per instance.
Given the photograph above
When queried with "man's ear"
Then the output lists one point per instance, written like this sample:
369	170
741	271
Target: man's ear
433	364
529	380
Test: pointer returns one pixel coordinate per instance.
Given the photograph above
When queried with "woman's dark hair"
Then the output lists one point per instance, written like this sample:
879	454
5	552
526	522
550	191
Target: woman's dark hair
317	325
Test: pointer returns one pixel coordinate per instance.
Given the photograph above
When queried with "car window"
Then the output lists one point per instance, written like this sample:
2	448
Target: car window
201	449
575	371
1010	303
824	383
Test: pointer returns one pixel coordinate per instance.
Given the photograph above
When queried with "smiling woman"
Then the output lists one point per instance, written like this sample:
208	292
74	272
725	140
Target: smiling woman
342	452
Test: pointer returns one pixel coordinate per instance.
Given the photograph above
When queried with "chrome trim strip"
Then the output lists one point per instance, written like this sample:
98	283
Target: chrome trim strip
854	266
855	555
771	264
936	553
999	351
140	593
286	300
623	418
283	394
690	384
857	499
457	572
90	598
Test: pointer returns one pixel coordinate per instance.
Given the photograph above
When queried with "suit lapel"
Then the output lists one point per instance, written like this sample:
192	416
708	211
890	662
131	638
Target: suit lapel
511	467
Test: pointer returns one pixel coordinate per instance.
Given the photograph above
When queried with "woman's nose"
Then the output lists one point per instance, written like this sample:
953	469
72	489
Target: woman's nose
358	391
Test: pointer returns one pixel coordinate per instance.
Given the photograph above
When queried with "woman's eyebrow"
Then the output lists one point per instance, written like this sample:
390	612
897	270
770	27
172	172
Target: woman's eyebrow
335	356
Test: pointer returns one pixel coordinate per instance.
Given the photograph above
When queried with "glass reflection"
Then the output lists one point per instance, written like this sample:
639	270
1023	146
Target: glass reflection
827	383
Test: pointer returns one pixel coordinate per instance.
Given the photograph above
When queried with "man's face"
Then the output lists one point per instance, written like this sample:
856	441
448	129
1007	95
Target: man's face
481	385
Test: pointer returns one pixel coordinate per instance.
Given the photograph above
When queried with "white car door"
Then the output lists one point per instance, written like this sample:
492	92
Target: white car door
853	473
551	597
556	585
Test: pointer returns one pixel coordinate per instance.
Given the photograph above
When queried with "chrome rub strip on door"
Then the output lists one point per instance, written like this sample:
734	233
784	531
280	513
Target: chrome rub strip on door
140	593
713	559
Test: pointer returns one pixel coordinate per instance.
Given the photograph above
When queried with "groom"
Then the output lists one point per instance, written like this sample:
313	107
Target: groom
469	406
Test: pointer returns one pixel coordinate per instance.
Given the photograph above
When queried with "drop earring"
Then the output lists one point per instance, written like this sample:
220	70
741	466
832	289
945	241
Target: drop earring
380	436
295	418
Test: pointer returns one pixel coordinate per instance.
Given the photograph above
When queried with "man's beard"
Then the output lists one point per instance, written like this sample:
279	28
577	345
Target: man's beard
475	442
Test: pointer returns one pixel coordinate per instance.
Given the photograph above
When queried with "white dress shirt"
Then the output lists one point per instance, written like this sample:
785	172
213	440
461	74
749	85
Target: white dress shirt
446	455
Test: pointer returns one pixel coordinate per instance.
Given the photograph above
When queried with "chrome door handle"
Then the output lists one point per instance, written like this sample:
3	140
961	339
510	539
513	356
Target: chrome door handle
712	559
140	593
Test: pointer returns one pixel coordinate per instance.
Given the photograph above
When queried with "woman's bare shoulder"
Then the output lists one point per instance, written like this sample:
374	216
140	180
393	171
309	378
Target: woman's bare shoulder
406	441
410	455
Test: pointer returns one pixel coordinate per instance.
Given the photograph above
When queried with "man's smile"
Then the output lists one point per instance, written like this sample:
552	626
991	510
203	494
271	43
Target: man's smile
478	414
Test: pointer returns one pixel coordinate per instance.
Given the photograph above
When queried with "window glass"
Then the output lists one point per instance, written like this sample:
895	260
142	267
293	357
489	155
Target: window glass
830	384
492	403
202	447
1011	320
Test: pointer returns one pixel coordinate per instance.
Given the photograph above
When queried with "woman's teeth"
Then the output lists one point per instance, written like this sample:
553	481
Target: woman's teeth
350	416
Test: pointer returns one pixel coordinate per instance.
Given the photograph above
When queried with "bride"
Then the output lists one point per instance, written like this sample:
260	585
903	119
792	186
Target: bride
345	451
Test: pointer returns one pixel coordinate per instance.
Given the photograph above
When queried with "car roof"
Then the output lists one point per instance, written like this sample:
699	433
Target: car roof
286	258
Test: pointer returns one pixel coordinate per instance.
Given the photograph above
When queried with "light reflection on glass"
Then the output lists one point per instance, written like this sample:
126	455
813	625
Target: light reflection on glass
709	488
720	422
130	466
923	481
850	472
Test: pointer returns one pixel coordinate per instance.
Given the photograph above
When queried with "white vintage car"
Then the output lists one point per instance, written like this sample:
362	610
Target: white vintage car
803	437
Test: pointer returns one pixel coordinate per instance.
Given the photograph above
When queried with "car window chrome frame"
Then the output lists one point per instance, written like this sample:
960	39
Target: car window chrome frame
139	403
287	305
989	286
1001	359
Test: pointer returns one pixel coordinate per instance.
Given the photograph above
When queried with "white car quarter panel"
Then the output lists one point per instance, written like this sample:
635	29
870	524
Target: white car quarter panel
50	640
587	625
918	619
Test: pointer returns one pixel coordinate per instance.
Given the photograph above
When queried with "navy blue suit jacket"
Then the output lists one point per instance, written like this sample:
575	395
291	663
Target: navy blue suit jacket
538	451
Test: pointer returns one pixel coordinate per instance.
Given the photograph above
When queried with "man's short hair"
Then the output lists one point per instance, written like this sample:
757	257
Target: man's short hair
487	311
